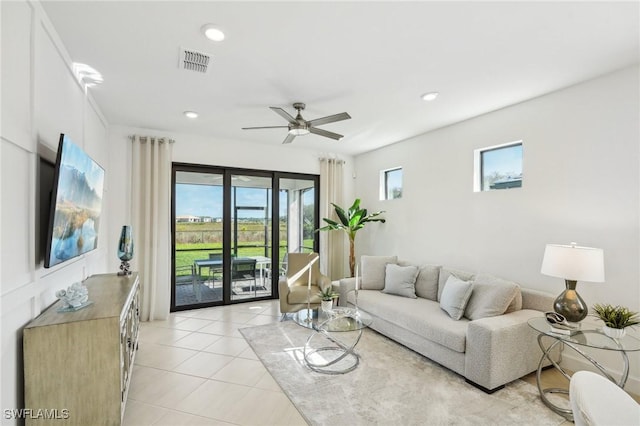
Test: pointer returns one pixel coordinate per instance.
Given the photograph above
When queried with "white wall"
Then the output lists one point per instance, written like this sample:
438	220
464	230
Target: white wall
581	183
40	100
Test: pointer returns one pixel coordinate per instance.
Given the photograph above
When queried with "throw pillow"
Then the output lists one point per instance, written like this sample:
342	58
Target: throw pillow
444	276
427	282
373	271
491	297
455	296
400	280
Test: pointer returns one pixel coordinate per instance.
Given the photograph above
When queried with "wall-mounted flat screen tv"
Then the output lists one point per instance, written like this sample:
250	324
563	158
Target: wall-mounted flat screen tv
76	204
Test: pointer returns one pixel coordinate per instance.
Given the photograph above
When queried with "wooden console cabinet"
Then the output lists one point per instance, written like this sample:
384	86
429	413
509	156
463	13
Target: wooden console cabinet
77	365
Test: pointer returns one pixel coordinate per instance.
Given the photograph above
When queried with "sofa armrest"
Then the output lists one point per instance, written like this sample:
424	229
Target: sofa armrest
346	285
536	299
501	349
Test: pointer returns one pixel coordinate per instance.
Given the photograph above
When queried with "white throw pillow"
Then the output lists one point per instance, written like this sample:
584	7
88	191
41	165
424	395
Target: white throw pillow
446	272
455	296
400	280
373	271
491	297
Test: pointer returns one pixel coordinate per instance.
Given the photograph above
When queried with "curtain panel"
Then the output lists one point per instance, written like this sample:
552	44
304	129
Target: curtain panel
332	243
151	221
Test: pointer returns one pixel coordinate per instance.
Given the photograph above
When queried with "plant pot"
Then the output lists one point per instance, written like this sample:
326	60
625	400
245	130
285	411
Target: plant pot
614	333
326	305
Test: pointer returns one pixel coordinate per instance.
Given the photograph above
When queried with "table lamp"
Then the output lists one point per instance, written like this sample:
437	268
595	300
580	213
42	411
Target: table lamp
573	263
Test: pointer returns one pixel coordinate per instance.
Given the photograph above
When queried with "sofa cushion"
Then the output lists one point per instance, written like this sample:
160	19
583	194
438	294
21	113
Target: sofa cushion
455	296
400	280
427	282
491	296
446	272
420	316
373	271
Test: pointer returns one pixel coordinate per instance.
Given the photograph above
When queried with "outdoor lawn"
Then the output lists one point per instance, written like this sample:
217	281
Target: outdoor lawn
197	240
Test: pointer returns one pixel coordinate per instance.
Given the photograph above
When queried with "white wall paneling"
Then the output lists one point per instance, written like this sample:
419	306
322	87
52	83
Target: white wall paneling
40	100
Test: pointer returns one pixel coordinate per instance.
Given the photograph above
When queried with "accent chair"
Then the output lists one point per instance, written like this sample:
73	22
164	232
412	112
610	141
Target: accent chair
294	291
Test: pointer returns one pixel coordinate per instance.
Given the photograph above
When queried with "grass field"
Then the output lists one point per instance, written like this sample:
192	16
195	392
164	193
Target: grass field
197	240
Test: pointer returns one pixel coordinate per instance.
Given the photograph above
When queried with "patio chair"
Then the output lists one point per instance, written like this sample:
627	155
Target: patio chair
186	275
243	270
215	271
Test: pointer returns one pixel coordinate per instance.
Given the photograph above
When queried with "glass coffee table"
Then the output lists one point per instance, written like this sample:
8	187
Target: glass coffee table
588	336
330	347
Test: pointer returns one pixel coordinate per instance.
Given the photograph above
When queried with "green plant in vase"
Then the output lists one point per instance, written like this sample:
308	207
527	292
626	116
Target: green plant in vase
616	319
327	294
351	221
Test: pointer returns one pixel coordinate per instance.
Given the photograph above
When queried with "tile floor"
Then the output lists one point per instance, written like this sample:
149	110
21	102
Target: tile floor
196	369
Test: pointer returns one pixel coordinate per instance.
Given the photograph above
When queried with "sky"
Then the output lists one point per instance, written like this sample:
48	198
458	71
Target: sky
74	156
506	161
206	200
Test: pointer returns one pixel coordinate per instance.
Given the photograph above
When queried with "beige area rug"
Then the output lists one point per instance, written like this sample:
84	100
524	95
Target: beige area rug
391	386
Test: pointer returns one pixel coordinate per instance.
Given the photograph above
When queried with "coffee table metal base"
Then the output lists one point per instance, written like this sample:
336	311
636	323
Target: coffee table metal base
337	359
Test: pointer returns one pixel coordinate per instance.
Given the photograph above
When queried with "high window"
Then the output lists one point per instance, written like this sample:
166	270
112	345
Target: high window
391	183
498	167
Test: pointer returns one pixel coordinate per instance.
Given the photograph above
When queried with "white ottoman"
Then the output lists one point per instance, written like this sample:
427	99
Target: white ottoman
595	400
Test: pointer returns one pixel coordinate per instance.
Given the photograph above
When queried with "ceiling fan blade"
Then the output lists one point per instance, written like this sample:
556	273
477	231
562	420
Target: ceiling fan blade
325	133
329	119
289	138
284	114
265	127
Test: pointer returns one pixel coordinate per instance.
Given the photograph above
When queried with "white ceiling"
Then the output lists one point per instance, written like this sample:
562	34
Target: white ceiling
371	59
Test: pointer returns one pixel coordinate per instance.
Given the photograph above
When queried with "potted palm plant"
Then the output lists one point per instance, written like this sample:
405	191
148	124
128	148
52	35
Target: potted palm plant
327	295
616	319
351	221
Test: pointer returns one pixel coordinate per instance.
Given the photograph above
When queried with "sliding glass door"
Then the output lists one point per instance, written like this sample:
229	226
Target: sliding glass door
251	224
198	238
232	229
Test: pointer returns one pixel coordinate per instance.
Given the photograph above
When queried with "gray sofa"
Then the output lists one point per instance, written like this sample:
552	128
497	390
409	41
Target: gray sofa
490	344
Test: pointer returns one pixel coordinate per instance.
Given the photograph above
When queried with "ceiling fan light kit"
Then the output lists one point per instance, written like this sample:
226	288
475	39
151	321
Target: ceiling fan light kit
298	126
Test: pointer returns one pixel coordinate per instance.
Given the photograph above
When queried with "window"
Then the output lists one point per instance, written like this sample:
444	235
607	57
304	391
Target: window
391	183
498	167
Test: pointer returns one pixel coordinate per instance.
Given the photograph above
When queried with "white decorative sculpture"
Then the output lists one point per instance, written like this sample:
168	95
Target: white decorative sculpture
75	297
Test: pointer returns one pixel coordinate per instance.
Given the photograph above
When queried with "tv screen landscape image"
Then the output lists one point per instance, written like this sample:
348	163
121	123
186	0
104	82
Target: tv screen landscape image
76	204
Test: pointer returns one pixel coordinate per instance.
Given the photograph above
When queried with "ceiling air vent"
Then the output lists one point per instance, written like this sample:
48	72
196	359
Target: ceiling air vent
192	60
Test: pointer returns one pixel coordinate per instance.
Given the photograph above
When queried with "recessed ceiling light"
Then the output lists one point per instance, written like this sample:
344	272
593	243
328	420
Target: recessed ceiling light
190	114
212	33
430	96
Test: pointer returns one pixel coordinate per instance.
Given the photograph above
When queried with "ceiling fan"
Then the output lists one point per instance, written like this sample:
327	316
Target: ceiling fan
298	126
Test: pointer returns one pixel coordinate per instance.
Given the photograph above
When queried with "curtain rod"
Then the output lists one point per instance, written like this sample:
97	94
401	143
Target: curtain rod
337	160
159	138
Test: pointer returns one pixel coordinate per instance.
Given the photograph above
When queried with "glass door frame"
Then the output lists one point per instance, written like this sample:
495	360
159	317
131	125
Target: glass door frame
227	219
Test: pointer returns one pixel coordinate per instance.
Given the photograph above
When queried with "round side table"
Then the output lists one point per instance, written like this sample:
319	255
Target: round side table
587	336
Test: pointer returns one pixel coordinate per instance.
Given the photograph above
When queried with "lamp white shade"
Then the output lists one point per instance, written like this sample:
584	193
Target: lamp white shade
573	262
